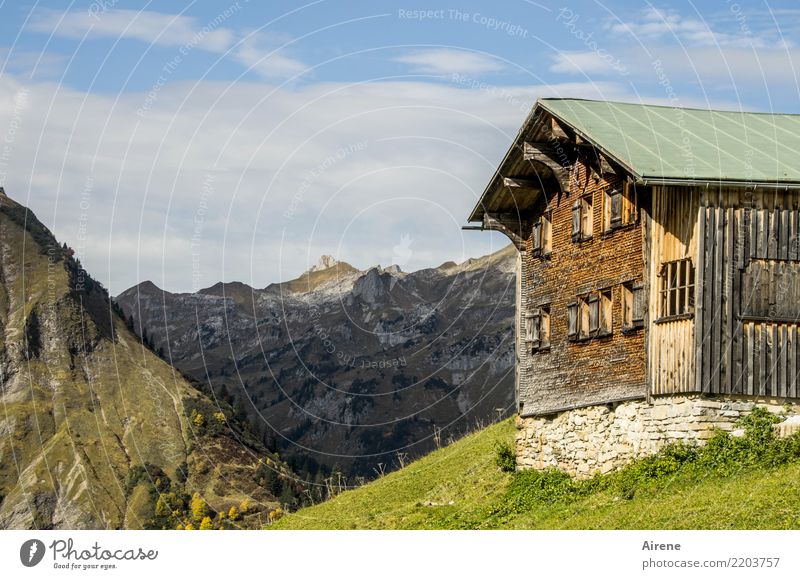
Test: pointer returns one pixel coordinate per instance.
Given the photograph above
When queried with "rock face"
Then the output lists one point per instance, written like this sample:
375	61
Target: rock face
95	426
351	369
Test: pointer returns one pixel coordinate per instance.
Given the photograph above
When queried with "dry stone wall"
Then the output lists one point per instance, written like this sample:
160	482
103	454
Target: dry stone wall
601	438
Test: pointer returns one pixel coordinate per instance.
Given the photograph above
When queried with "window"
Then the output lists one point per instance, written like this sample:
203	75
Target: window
633	306
589	316
619	206
582	219
537	325
542	236
677	288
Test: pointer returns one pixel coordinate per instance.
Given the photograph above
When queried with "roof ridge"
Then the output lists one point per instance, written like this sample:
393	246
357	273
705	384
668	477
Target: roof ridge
654	105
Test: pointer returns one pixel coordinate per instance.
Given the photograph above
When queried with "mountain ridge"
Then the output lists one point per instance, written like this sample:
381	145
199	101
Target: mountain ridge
344	368
98	431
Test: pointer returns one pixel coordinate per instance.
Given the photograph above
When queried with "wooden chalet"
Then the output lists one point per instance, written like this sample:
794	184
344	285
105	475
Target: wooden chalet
659	253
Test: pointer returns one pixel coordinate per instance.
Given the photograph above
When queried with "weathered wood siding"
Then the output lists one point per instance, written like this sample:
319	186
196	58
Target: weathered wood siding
673	236
748	293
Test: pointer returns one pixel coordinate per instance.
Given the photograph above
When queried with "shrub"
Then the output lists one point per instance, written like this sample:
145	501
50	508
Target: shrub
504	456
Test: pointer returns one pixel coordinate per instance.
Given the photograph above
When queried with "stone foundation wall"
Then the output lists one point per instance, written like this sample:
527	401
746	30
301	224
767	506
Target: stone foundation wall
602	438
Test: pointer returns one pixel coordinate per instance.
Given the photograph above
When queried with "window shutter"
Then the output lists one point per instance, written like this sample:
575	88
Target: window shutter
544	328
616	208
576	221
572	320
639	305
547	234
594	313
533	325
536	238
605	311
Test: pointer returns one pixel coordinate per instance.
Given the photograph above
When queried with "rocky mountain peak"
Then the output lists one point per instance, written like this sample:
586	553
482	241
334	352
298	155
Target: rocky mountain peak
325	262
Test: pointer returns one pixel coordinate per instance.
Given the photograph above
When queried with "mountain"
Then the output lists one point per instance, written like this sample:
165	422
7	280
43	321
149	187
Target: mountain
97	431
348	370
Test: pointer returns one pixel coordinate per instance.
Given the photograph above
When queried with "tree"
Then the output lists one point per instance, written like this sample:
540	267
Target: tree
199	507
233	514
244	506
129	322
205	524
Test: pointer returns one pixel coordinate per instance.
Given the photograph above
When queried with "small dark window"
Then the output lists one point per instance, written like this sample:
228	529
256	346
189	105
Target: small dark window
677	288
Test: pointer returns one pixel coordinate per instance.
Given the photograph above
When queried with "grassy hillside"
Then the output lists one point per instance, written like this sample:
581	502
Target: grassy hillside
735	483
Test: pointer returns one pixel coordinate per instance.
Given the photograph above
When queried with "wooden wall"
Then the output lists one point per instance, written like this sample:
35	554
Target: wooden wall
673	235
748	293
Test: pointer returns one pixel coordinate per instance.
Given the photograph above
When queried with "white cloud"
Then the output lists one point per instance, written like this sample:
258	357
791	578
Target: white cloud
221	181
256	51
147	26
270	63
741	31
450	61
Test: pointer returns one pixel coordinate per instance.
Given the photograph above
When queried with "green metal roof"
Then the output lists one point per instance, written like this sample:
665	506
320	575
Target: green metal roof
667	143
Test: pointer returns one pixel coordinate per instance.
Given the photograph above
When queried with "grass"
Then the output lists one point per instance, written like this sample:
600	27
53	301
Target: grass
732	483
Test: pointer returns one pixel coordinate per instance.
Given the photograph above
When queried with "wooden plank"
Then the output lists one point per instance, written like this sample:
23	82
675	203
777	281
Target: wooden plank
708	299
772	241
763	234
784	235
773	359
784	362
719	279
791	348
794	247
752	223
729	270
699	321
763	360
749	356
736	271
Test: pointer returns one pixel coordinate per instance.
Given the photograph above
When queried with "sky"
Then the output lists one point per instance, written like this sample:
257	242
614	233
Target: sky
188	143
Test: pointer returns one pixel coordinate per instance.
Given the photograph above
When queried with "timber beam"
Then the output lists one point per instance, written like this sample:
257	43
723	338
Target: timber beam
508	224
558	160
521	183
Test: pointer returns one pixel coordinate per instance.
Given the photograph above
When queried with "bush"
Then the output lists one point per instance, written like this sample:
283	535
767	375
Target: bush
504	456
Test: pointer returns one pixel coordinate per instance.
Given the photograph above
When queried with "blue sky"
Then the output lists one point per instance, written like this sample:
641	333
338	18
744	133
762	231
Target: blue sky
187	143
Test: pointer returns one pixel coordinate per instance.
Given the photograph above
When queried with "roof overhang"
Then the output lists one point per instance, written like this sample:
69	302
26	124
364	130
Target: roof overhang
498	198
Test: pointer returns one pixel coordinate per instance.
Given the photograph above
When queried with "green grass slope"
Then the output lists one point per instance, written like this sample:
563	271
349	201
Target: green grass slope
733	483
